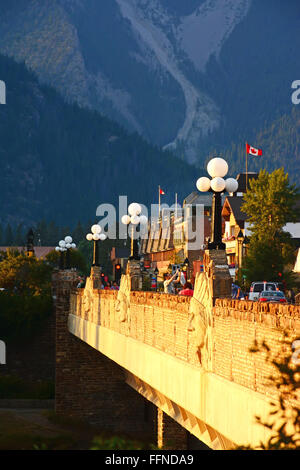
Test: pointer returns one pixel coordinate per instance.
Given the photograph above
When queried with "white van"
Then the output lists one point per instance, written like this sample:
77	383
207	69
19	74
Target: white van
257	287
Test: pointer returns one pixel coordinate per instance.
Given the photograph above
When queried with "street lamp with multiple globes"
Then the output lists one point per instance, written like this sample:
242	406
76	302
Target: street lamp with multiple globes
65	246
134	218
217	168
96	236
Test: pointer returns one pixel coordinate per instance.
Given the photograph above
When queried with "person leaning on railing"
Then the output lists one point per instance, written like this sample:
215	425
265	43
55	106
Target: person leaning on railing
169	287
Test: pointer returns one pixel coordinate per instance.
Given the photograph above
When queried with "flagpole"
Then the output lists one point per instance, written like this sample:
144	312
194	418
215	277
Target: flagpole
158	201
246	168
175	206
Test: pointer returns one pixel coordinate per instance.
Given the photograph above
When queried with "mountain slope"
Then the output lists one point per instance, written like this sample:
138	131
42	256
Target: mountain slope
193	75
142	63
60	161
280	142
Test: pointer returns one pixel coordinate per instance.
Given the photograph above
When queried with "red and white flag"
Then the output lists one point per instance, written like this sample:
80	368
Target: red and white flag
253	151
161	191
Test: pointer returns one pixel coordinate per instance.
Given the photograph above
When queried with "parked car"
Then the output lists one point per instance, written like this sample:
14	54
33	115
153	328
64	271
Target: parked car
258	287
272	296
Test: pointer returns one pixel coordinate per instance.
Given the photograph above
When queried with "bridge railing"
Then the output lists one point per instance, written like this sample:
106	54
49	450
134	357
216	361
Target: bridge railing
158	320
161	321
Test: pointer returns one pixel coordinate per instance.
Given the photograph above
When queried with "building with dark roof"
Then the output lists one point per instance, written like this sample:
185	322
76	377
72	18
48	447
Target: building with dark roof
40	252
242	179
119	255
235	229
168	242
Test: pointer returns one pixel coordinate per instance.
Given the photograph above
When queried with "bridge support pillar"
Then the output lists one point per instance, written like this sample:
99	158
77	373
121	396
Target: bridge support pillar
170	435
136	278
88	385
95	275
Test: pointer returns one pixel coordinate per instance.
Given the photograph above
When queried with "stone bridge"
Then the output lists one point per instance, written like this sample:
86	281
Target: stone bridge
177	368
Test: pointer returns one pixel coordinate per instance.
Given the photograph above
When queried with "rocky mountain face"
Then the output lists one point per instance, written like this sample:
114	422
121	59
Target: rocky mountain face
190	75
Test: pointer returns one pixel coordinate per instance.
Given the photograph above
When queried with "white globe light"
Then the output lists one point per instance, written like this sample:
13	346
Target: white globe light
96	228
73	245
68	245
217	167
68	239
102	236
125	219
134	209
143	220
62	243
135	219
218	184
96	236
89	237
57	248
231	185
203	184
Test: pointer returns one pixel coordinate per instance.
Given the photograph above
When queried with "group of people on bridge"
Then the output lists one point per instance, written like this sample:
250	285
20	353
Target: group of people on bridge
105	284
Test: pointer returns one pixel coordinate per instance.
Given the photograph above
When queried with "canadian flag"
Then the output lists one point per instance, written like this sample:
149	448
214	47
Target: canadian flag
253	150
161	191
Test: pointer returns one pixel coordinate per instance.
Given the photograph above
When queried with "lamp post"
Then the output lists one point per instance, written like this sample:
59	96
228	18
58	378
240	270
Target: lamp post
134	218
217	168
61	250
186	265
95	236
240	240
65	246
69	244
29	244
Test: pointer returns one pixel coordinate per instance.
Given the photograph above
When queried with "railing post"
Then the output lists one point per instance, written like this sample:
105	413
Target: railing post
170	435
135	272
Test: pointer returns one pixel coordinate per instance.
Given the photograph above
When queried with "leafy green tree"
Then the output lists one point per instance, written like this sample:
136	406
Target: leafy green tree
1	235
26	300
270	203
284	421
23	314
20	274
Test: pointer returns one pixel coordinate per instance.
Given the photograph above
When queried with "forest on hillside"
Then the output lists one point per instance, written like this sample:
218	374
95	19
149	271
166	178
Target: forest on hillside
60	161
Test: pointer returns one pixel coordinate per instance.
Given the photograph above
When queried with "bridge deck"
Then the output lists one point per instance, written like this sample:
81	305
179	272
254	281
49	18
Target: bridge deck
154	345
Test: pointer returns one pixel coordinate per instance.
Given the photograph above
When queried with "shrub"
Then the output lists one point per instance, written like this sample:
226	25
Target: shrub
22	315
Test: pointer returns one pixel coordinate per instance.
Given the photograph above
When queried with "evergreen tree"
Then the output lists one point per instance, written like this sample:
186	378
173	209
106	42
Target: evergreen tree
52	234
78	234
270	203
19	237
8	237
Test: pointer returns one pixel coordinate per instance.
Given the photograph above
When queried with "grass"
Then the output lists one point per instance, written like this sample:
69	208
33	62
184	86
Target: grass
13	387
44	430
